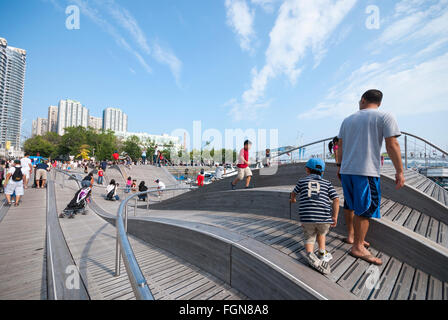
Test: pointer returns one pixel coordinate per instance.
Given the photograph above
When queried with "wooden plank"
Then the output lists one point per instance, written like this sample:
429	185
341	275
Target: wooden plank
435	289
403	284
388	204
422	224
445	291
354	272
419	286
387	281
412	220
443	234
402	216
392	212
429	190
433	229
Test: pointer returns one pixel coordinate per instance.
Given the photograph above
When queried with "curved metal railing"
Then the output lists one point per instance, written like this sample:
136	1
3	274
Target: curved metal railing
123	247
428	151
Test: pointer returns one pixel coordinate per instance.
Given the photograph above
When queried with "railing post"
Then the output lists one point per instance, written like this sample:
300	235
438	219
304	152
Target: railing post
405	152
126	218
323	154
117	250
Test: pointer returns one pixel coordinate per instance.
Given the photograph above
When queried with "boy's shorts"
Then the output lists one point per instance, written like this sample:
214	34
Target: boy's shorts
244	172
311	230
362	195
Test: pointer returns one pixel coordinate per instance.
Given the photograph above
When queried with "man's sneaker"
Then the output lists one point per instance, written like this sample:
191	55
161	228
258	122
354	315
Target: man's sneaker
232	186
318	264
326	256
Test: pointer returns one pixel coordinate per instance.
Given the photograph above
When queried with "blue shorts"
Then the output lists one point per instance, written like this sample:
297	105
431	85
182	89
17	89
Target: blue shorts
362	194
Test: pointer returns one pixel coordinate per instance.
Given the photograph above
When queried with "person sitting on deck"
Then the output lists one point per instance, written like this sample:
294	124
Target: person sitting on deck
111	191
142	188
160	186
134	185
318	210
87	181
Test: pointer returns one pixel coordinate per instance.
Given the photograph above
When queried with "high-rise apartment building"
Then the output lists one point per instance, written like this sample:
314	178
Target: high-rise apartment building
40	127
114	119
12	82
53	119
71	114
95	123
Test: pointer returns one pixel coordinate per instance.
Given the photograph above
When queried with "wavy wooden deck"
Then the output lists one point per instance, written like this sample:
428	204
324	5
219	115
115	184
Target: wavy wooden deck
92	243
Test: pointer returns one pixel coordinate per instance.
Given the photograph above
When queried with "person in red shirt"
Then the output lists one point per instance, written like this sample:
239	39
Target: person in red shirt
243	166
200	178
115	156
100	175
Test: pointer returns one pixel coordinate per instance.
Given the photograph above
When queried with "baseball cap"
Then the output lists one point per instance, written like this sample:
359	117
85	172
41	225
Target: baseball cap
316	164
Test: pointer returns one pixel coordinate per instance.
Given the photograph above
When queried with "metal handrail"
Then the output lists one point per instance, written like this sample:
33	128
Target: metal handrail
329	139
425	141
297	148
138	281
136	277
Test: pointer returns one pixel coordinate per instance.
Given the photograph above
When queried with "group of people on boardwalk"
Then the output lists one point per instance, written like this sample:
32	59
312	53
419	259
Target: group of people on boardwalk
15	176
357	150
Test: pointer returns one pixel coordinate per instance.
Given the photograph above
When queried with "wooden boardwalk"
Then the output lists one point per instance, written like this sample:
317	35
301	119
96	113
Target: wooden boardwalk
92	243
421	183
22	249
397	280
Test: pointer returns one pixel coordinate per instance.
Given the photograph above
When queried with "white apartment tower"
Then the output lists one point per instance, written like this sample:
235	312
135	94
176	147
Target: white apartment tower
114	119
95	123
53	119
12	82
71	114
40	127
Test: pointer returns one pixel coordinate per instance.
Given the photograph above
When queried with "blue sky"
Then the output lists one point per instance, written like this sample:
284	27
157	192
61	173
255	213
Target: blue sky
294	65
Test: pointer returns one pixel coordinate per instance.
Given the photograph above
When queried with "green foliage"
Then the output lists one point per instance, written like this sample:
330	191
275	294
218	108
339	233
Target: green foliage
101	144
132	147
40	145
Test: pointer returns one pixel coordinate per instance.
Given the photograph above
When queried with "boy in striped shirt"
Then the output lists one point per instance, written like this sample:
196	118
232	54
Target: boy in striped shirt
318	211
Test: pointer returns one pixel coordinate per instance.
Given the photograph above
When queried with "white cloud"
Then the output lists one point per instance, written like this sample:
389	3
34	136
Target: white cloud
408	89
416	20
241	19
165	56
267	5
302	26
162	55
95	16
128	22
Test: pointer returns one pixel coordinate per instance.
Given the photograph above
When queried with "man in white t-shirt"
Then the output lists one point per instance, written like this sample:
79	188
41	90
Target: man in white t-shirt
15	179
160	186
27	166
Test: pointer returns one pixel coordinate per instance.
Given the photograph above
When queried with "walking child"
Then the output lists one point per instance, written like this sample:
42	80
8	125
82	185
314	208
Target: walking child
318	211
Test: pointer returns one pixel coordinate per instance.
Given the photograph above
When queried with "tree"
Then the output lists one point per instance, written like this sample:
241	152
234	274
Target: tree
132	147
39	145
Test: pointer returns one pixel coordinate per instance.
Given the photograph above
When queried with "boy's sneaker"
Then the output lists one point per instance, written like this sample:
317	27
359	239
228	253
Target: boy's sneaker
326	256
318	264
232	186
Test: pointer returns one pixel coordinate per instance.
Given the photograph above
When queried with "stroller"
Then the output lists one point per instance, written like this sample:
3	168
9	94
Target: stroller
78	204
